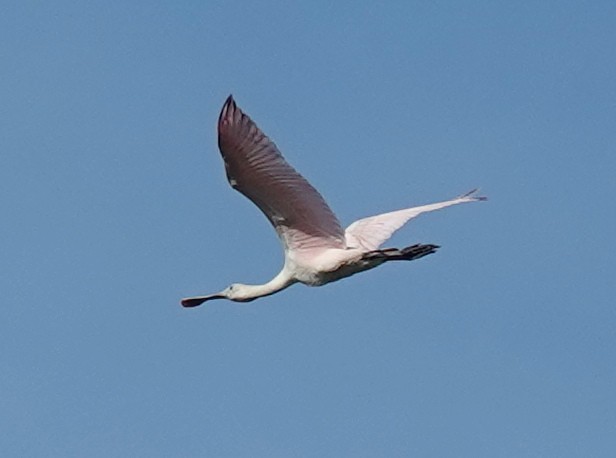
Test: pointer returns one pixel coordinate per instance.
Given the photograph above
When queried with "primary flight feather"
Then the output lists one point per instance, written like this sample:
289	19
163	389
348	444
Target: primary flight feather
316	248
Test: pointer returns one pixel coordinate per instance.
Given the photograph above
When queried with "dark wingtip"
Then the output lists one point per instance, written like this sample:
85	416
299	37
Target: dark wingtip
471	195
229	106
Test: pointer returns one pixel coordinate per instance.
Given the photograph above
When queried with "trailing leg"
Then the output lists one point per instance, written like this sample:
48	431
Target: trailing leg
409	253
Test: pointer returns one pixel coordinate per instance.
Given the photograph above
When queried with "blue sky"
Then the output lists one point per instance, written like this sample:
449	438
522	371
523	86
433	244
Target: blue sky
115	205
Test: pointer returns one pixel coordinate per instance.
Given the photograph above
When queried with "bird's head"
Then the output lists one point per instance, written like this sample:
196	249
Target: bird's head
236	292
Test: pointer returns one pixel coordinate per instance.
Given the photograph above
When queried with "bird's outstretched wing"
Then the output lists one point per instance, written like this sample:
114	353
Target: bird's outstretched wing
369	233
257	169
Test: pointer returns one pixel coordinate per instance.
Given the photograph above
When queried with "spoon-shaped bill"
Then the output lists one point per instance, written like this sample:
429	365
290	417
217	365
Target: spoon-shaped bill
196	301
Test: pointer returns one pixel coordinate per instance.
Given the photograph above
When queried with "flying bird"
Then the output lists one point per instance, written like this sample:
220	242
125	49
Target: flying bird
316	248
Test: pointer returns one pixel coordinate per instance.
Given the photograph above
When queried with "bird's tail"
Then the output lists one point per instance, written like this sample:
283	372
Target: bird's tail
409	253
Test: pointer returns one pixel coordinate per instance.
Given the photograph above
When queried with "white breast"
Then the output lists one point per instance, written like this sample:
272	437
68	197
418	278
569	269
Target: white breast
328	266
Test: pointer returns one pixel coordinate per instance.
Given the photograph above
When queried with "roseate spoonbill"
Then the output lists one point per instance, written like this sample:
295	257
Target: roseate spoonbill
316	248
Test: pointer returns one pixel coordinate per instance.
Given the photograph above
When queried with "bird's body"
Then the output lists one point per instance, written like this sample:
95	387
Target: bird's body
317	249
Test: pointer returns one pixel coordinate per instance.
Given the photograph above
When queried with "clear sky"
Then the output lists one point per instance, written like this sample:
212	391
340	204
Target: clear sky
115	205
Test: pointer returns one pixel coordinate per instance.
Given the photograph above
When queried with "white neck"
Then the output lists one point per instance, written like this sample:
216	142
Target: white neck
279	282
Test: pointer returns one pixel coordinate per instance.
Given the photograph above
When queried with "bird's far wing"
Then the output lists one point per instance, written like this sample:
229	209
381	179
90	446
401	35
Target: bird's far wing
256	168
369	233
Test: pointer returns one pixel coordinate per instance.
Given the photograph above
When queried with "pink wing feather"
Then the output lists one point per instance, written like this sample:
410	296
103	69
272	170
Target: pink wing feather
255	167
369	233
